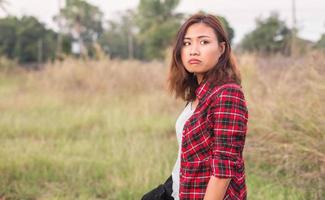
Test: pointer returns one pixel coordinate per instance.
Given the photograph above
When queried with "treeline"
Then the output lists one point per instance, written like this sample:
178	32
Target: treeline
27	40
144	33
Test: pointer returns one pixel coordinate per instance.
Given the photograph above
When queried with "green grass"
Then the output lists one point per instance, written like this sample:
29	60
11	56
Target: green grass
260	187
95	149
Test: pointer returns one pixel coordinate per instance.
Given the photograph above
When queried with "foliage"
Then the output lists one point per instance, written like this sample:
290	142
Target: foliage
31	32
24	38
81	17
230	31
8	36
270	36
119	39
158	25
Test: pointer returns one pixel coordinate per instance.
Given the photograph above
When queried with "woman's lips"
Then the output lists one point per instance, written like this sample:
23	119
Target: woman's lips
194	61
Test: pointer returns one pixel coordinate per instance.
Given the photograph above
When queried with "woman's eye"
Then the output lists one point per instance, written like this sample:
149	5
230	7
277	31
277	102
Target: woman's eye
186	43
204	42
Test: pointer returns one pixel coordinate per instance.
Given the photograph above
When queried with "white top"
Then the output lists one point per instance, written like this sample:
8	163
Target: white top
183	117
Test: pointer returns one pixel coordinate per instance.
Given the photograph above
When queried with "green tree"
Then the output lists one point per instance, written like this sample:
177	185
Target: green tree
25	39
230	31
8	36
119	39
30	35
81	19
158	25
271	35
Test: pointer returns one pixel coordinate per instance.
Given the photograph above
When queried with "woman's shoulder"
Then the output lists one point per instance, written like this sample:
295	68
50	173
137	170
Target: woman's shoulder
228	96
230	88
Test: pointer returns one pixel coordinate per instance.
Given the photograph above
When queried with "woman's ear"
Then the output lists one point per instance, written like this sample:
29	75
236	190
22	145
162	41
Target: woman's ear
222	46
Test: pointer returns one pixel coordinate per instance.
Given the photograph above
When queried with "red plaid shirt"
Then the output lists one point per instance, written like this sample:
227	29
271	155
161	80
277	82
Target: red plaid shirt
212	142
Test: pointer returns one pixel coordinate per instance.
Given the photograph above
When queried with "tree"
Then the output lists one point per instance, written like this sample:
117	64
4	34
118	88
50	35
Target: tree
119	40
26	39
270	36
158	25
8	36
81	20
30	34
230	31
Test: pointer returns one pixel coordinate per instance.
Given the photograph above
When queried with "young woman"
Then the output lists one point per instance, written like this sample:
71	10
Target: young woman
211	129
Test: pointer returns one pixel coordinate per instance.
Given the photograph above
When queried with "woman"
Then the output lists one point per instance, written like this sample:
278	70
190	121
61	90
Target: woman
211	129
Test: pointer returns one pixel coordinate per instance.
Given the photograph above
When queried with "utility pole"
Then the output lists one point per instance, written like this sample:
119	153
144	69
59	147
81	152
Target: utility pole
129	22
39	52
82	48
130	44
59	41
293	48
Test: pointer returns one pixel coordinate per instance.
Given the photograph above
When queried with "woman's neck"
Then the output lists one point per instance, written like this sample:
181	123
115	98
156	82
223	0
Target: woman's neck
199	78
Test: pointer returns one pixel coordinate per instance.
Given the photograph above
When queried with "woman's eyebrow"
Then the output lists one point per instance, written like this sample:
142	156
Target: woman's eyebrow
201	36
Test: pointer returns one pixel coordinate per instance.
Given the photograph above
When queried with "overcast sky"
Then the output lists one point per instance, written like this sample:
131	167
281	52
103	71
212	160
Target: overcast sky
241	14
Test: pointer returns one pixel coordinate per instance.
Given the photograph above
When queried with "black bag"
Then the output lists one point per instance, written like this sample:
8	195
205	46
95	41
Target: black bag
162	192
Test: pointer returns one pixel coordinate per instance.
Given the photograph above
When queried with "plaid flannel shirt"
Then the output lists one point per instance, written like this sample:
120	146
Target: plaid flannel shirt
213	139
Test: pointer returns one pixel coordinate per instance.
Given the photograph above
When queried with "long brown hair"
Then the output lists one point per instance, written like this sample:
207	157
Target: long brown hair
183	83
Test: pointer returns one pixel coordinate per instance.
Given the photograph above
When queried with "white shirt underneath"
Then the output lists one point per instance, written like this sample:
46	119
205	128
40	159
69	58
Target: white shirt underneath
183	117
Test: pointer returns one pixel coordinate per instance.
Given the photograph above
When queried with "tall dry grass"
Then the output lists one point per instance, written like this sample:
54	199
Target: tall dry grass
85	130
105	129
103	76
286	140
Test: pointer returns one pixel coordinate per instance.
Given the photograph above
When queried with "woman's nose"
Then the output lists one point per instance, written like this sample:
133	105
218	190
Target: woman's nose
194	50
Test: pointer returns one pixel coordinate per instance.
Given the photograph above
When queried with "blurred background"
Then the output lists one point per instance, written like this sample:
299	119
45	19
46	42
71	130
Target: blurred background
85	113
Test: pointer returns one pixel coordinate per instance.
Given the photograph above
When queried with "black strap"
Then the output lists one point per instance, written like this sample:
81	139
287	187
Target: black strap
161	192
168	185
186	103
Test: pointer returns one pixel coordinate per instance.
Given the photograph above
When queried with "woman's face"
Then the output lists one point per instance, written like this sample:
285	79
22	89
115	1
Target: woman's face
201	49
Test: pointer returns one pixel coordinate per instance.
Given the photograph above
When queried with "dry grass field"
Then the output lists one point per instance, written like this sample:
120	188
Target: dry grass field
105	129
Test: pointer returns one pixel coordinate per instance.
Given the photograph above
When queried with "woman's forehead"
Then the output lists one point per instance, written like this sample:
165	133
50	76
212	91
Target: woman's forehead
199	30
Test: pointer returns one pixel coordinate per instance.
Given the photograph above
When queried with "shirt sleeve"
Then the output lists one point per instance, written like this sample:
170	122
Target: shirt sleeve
228	117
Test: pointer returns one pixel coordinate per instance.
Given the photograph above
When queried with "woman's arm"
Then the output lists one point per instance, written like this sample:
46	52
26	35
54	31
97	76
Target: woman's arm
216	188
228	118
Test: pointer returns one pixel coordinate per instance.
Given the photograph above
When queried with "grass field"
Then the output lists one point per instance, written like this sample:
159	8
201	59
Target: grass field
105	129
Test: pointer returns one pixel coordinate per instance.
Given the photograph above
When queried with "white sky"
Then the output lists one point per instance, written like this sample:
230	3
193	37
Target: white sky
241	14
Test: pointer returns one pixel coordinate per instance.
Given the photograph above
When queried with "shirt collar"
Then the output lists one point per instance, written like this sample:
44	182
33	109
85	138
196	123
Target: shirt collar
202	89
206	87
